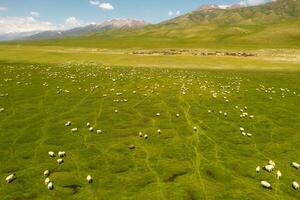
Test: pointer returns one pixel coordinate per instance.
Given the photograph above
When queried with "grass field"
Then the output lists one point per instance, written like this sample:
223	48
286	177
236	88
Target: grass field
214	162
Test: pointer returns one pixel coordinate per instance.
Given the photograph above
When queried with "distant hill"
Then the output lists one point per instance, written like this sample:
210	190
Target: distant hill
272	25
92	28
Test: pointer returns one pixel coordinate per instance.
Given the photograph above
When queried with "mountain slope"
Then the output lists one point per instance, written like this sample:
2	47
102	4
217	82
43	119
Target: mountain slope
92	28
272	25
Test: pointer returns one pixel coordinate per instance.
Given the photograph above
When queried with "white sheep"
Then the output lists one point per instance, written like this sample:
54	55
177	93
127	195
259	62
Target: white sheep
10	178
257	169
242	129
266	184
50	186
177	115
295	185
99	131
249	134
296	165
146	136
91	129
157	114
51	154
68	123
195	128
271	162
46	173
278	175
89	179
243	133
74	130
60	161
140	134
88	124
47	180
1	110
159	131
269	168
61	154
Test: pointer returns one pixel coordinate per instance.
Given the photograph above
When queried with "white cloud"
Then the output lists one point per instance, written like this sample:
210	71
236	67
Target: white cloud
174	13
24	24
3	8
95	3
72	21
34	14
106	6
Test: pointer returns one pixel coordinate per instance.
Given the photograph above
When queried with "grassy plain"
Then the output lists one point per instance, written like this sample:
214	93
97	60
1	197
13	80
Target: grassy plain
214	162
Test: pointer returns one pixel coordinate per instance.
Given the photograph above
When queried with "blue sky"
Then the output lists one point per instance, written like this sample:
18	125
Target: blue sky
68	13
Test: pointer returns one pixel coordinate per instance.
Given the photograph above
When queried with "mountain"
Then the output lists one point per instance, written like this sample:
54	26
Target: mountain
92	28
271	25
14	36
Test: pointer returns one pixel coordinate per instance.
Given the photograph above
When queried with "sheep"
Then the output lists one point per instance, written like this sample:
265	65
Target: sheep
266	184
257	169
46	173
10	178
243	133
91	129
116	111
68	123
271	162
269	168
295	185
140	134
177	115
88	124
51	154
296	165
249	134
131	146
74	130
278	175
89	179
61	154
195	128
242	129
157	114
99	131
159	131
1	110
60	161
50	186
47	180
146	136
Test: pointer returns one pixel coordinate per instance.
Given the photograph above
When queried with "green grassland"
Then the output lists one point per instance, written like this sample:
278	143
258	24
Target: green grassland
214	162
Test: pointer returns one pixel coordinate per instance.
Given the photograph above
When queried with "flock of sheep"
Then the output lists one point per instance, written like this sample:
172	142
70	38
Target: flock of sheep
48	182
270	167
226	90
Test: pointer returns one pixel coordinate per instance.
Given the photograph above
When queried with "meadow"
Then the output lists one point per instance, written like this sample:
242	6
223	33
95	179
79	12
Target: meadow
40	93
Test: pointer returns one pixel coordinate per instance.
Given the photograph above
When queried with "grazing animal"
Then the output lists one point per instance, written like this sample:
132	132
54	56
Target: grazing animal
88	124
99	131
50	186
131	146
89	179
61	154
257	169
91	129
140	134
159	131
10	178
74	129
271	162
296	165
266	184
295	185
278	175
269	168
195	128
46	173
68	123
51	154
146	136
47	180
60	161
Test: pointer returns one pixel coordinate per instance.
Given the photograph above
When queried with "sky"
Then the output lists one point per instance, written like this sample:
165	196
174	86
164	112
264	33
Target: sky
40	15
